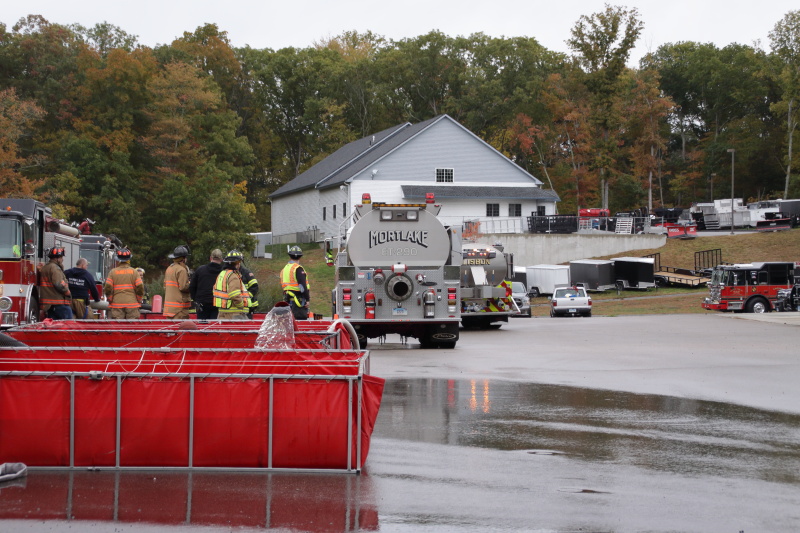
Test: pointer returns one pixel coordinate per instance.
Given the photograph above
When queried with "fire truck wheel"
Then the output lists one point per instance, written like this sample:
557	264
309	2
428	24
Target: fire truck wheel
362	340
757	305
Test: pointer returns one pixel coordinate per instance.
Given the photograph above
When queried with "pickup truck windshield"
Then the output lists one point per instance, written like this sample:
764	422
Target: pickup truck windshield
569	293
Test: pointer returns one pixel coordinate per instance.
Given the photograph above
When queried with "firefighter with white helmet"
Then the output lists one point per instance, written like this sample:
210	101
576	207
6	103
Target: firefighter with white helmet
53	286
177	299
124	288
230	293
295	284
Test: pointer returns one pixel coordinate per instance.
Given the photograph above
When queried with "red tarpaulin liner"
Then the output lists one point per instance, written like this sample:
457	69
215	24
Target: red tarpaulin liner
185	407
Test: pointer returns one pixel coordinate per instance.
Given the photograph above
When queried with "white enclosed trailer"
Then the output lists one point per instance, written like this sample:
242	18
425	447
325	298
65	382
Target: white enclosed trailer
542	279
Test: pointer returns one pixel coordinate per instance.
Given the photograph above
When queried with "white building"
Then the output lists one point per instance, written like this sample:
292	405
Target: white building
470	179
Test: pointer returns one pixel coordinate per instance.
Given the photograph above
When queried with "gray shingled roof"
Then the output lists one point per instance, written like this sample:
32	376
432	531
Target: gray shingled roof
352	158
487	193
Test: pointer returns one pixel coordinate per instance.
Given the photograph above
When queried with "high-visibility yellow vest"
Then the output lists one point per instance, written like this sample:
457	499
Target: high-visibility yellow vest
224	296
289	278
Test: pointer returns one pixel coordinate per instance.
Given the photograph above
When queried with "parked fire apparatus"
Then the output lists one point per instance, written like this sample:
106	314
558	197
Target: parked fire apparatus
100	250
486	273
398	272
751	287
27	230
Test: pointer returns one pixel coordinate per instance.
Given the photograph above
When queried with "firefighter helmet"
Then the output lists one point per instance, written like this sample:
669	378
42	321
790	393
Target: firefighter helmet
295	252
123	254
55	251
180	251
234	257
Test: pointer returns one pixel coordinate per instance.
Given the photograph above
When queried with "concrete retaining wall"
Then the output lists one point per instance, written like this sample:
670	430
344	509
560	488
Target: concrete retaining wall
535	249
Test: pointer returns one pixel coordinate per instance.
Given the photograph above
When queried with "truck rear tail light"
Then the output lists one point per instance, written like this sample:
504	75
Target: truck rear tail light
429	198
366	198
386	215
412	215
451	296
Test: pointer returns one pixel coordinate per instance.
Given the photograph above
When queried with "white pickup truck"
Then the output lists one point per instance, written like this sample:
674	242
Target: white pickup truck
570	301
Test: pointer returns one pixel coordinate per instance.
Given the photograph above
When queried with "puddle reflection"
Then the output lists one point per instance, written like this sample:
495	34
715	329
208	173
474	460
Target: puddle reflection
305	502
655	432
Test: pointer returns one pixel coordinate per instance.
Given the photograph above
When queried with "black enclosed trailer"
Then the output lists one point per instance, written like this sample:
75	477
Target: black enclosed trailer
593	274
634	272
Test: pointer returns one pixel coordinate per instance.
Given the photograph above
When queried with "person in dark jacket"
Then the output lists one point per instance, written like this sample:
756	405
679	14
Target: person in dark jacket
251	284
81	285
201	286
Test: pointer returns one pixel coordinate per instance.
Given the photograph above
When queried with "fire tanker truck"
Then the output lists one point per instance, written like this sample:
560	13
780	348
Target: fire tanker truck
486	297
27	230
749	287
397	271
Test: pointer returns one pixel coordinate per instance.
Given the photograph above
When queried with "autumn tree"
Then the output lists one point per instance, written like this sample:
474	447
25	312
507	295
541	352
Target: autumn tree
196	183
645	110
785	42
16	121
602	43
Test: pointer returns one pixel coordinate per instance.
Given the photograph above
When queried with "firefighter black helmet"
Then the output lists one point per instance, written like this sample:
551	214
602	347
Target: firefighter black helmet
233	257
55	251
180	251
124	254
295	252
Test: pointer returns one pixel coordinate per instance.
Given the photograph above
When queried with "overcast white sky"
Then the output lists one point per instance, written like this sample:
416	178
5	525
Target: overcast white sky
278	24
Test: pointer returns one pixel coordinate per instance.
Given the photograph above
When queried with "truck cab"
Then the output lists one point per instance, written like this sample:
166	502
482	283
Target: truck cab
22	225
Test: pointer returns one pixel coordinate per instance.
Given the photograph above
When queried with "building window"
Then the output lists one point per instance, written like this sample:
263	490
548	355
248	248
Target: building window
540	210
333	212
515	210
492	210
324	212
444	175
344	209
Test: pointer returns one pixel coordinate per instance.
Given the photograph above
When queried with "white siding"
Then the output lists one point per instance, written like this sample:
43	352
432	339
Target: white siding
295	212
445	144
448	145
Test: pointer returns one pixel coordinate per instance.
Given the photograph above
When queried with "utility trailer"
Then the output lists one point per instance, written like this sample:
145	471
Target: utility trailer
151	394
634	272
704	262
593	274
542	279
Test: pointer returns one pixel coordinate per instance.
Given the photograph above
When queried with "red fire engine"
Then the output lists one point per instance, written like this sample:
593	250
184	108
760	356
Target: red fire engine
749	287
27	230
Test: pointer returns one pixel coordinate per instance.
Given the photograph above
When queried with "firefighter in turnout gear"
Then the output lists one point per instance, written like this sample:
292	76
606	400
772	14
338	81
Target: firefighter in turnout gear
124	288
53	287
295	284
177	299
251	284
230	294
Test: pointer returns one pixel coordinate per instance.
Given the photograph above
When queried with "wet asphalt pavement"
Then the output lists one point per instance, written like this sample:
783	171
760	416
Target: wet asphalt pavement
673	423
